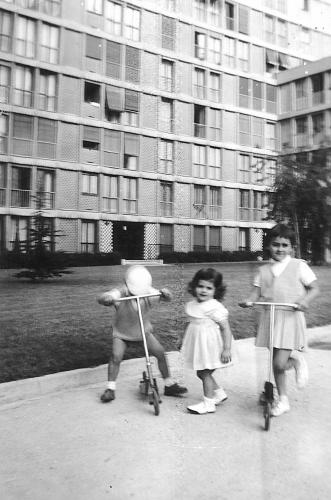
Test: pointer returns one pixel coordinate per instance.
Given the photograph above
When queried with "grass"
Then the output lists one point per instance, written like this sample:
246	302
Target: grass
58	325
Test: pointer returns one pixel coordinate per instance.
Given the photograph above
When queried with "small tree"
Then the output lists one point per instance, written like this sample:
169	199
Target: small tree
301	196
40	260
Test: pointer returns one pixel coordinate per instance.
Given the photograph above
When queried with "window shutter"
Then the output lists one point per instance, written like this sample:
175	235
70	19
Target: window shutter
91	134
112	148
131	144
131	101
243	20
23	127
113	59
114	98
168	33
46	130
93	47
132	64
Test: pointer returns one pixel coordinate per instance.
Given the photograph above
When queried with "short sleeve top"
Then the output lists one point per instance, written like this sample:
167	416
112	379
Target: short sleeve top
211	309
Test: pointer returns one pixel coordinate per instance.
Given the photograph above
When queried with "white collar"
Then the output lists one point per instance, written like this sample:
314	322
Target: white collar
278	267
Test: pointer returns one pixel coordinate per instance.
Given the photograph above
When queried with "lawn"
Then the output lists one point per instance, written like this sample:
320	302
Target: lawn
58	325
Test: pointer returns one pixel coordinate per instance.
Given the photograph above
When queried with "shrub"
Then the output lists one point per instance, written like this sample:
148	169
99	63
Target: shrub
226	256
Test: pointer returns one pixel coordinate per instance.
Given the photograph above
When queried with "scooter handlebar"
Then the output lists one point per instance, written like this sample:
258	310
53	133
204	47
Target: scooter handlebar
276	304
130	297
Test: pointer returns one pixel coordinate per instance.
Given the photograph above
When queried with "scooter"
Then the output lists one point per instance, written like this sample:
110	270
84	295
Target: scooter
268	385
148	385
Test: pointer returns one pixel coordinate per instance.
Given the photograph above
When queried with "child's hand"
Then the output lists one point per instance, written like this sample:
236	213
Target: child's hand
166	294
301	306
245	304
226	356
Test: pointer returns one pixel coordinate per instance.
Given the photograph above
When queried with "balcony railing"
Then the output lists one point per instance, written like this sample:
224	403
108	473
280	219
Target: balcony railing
20	198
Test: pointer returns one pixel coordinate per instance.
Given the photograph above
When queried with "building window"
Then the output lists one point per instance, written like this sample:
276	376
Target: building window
22	143
215	241
110	193
22	86
3	133
286	134
244	97
3	184
214	9
215	87
229	52
92	93
166	238
199	204
244	204
244	130
199	85
130	114
199	161
215	164
166	199
167	75
281	33
6	31
271	98
317	88
49	43
131	151
45	188
166	157
113	59
130	199
20	187
200	45
258	205
244	170
270	172
46	138
257	168
88	237
93	47
244	239
271	61
25	37
199	121
94	6
200	10
90	184
112	148
50	7
199	239
301	98
168	33
243	56
214	50
269	29
257	132
270	136
113	15
132	24
47	91
132	64
257	95
229	16
166	115
318	128
91	144
215	202
215	124
4	84
19	230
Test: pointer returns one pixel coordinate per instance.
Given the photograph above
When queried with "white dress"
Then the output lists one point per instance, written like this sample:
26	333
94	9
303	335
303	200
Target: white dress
203	343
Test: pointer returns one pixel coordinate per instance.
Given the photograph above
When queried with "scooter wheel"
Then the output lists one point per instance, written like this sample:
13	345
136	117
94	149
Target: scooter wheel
155	401
267	415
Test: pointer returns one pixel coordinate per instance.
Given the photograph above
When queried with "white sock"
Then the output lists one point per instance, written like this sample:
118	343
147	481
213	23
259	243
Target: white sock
168	381
111	385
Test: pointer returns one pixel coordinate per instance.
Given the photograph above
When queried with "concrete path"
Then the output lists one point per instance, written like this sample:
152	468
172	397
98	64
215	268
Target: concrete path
66	445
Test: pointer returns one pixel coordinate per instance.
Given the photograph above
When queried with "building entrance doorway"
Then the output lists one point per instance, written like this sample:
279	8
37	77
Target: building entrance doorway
129	239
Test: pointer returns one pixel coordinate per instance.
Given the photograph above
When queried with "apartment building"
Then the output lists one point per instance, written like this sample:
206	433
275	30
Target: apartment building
146	126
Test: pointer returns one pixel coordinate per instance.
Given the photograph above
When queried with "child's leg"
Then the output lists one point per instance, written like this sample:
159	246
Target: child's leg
219	393
281	363
116	357
208	403
155	349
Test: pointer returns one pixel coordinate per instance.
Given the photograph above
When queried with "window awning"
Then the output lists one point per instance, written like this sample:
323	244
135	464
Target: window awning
283	60
114	98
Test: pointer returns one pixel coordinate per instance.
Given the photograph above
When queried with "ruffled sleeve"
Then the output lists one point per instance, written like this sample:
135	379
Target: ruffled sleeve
217	312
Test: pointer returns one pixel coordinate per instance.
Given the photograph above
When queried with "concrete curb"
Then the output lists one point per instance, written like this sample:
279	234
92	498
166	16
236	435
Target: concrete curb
36	387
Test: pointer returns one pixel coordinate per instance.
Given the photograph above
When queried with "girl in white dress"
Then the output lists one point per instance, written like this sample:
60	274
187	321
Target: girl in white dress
207	342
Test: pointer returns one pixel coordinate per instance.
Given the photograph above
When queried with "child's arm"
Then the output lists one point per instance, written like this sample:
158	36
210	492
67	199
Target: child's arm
227	340
253	297
108	298
312	292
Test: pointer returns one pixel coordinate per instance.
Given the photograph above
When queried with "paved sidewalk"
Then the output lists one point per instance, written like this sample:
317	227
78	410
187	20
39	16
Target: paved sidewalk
66	445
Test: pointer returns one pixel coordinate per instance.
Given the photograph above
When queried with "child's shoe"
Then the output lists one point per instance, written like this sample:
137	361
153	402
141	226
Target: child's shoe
206	406
282	406
174	390
301	369
220	396
107	396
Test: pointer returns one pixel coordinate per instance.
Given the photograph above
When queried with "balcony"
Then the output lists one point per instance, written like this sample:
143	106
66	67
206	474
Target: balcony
20	198
199	210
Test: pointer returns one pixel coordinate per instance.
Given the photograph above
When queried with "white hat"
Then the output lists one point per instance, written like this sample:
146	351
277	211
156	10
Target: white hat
138	280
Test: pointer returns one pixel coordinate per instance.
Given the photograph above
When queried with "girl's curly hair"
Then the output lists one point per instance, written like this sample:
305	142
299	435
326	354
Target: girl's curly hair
208	274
